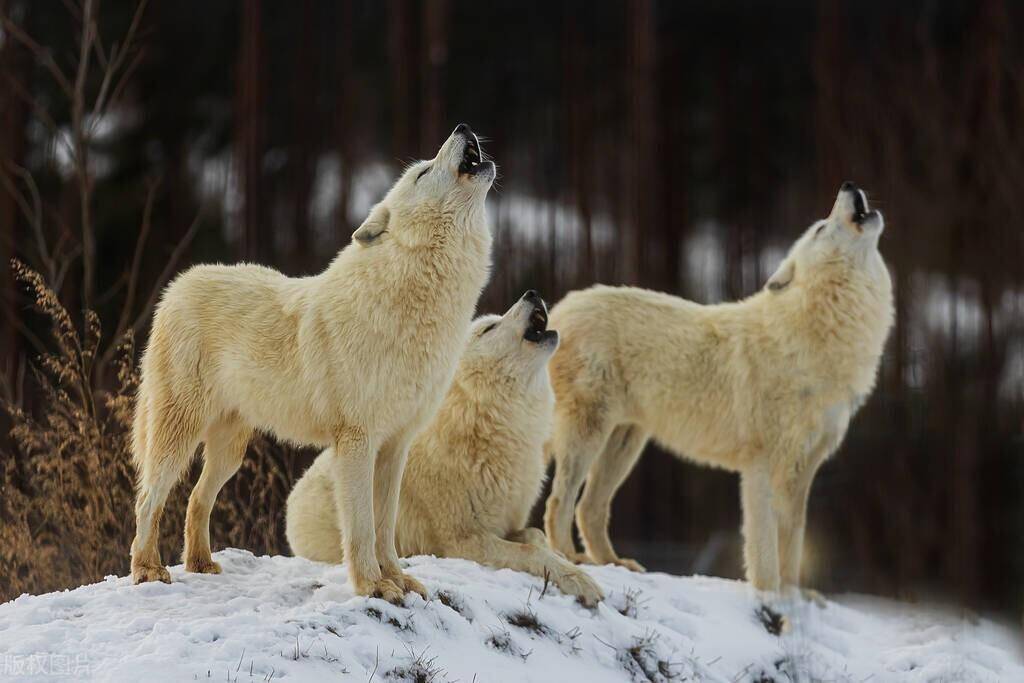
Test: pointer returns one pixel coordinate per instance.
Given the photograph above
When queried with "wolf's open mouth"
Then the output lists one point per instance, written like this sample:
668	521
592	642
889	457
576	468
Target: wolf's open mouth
537	329
471	156
860	209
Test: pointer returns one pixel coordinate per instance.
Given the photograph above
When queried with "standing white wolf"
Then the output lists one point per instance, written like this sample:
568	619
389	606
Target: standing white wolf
765	387
476	471
357	358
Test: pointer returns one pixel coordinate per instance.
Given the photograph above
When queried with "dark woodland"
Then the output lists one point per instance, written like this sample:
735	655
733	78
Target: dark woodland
680	146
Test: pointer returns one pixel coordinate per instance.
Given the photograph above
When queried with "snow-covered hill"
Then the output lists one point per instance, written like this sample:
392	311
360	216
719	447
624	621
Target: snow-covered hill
287	619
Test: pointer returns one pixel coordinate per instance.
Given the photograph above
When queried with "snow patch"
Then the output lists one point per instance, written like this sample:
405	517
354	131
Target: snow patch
288	619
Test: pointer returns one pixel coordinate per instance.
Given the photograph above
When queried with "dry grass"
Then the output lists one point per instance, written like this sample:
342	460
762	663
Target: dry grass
67	482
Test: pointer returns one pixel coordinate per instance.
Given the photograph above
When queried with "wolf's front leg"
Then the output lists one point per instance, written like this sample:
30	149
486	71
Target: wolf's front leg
792	522
760	530
496	552
387	485
353	493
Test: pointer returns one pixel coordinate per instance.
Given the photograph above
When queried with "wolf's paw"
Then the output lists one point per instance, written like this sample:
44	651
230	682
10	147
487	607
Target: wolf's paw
385	589
631	565
144	573
578	558
580	584
202	566
811	595
791	593
410	585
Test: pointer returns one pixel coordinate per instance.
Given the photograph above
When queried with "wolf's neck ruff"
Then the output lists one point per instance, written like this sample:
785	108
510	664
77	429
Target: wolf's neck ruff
437	286
844	315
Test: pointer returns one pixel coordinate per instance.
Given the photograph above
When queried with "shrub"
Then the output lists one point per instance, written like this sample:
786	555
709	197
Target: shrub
67	481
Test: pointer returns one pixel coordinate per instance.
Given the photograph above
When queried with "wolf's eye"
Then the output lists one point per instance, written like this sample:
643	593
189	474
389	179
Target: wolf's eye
820	228
422	173
488	328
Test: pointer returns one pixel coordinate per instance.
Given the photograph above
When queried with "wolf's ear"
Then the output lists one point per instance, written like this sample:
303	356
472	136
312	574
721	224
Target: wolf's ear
375	225
781	278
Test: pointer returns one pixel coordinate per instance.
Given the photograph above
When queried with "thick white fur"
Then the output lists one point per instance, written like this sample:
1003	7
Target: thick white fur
357	358
474	474
765	387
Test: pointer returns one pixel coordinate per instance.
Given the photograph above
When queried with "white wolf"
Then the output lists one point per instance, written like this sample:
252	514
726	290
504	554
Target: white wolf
765	387
356	358
476	471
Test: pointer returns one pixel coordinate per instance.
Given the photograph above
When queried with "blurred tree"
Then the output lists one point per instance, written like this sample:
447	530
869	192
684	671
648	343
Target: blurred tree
257	241
15	68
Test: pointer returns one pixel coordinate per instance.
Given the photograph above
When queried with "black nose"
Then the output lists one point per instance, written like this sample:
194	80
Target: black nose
848	187
463	129
532	296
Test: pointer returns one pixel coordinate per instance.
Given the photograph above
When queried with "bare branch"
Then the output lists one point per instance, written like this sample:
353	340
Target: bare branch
81	158
73	9
33	214
165	275
37	211
125	78
118	54
64	231
66	261
41	53
126	75
112	291
101	52
157	290
37	108
23	329
133	274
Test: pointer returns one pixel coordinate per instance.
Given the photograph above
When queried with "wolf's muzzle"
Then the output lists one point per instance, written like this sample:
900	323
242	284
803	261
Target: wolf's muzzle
861	214
537	327
472	155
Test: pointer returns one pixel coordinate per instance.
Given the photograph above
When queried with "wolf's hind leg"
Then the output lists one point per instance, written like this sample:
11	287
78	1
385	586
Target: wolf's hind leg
171	441
620	454
529	536
223	450
579	435
496	552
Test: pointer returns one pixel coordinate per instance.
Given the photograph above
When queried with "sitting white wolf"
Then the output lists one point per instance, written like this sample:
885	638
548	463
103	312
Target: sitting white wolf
765	387
476	471
357	358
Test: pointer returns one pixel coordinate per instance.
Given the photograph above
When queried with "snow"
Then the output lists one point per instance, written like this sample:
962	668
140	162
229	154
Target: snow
288	619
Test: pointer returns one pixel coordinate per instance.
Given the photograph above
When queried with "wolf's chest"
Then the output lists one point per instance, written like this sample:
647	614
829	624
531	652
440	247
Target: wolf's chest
828	428
521	483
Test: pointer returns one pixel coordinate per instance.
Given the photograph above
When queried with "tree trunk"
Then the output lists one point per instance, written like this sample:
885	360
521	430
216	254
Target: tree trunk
577	104
433	63
304	158
400	16
15	65
640	57
254	244
343	122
